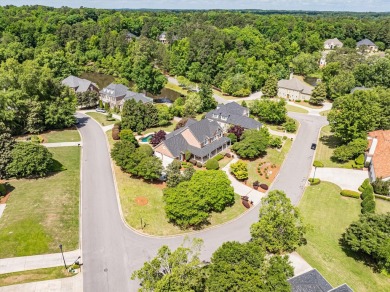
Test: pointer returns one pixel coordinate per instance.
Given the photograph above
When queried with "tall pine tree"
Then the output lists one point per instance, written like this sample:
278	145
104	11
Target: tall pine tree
319	94
270	88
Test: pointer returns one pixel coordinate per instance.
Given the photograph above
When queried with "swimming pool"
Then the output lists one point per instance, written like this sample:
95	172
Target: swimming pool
147	138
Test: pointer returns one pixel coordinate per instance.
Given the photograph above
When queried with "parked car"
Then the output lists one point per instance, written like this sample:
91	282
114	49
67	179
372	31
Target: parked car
313	146
100	110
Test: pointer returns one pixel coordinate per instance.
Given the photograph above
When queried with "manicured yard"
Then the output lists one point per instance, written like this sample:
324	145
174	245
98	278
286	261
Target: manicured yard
295	109
325	113
227	97
326	144
34	276
169	128
68	135
329	215
154	221
224	161
382	206
41	213
273	156
101	118
176	88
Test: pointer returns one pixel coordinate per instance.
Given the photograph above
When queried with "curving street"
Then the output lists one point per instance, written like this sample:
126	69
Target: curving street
112	251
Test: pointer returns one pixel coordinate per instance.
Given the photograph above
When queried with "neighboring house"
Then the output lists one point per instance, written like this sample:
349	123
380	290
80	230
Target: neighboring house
79	85
332	44
324	54
116	94
378	155
204	139
163	38
369	45
130	36
294	89
313	281
227	115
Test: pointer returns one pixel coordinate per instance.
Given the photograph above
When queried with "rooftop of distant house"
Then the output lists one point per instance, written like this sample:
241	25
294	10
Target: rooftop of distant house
120	91
381	156
79	84
333	41
365	42
296	84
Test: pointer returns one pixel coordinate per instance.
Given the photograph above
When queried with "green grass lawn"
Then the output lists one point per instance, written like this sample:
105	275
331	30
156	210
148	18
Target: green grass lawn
329	215
326	145
306	104
101	118
34	276
176	88
169	128
67	135
325	113
295	109
224	161
382	206
40	213
273	156
227	97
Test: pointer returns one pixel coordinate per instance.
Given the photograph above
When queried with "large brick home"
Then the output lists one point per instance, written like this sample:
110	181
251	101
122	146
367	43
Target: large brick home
378	155
79	85
116	95
204	139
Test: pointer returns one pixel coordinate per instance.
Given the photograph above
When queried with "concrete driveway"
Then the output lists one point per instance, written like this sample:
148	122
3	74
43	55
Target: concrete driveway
349	179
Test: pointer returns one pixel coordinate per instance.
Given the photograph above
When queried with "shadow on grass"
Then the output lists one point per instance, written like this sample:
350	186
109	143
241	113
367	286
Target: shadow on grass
56	167
331	141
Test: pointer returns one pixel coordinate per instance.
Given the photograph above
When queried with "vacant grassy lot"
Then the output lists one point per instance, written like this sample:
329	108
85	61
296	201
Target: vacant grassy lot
295	109
326	145
273	156
34	276
68	135
168	128
41	213
101	118
329	214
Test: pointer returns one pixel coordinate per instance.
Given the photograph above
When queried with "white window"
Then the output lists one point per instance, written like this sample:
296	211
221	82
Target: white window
223	118
215	116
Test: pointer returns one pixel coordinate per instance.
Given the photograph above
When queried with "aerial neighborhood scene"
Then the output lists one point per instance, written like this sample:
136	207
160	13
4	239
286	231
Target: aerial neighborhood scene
195	145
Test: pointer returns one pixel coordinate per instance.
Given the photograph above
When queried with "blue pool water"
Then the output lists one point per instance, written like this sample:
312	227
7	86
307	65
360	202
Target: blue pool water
147	138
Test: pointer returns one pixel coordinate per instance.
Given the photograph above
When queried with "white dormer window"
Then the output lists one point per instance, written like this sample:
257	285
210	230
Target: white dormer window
215	116
223	118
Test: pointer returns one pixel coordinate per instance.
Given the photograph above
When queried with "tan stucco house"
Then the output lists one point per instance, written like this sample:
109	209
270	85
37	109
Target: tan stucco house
294	89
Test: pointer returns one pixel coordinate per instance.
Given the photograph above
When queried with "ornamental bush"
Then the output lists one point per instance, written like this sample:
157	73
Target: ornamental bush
317	163
128	135
360	160
368	191
368	207
212	164
350	194
381	187
232	137
314	181
239	170
219	156
115	134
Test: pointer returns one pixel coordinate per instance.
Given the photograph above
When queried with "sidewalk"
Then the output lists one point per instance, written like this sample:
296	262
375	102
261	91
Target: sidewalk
313	111
241	189
17	264
71	284
281	134
62	144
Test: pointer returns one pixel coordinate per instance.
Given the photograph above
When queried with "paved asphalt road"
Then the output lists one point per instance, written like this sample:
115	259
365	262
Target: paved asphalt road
111	251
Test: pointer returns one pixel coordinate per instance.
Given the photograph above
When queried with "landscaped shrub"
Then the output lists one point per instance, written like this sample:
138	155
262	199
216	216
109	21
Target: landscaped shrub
360	160
368	207
115	134
314	181
290	125
256	183
239	170
297	100
368	191
128	135
349	193
157	138
228	155
386	198
193	161
199	164
3	190
264	186
219	156
232	137
381	187
212	164
317	163
36	139
275	142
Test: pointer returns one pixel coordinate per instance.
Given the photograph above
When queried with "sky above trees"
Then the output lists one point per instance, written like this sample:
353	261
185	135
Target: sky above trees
321	5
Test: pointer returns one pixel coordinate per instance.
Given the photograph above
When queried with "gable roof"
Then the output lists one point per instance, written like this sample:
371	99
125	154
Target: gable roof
235	114
79	84
381	156
296	84
334	41
365	42
137	97
311	281
342	288
115	90
203	129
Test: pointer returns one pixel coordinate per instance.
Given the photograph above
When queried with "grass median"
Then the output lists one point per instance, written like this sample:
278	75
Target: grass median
101	118
68	135
329	215
41	213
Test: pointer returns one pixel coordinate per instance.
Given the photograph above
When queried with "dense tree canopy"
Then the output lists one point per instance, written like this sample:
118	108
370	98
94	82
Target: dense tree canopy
280	227
270	111
190	203
253	143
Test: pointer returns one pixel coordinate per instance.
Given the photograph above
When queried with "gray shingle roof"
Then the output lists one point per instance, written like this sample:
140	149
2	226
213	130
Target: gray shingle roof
311	281
78	84
235	114
365	42
203	129
295	84
115	90
334	41
137	97
342	288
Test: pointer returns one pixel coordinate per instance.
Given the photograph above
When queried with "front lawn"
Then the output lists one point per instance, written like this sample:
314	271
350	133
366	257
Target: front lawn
273	156
34	276
168	128
41	213
329	215
326	145
296	109
382	206
67	135
101	118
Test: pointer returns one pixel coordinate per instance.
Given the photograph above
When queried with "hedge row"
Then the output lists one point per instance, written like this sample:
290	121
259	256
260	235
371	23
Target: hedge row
386	198
350	194
219	156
